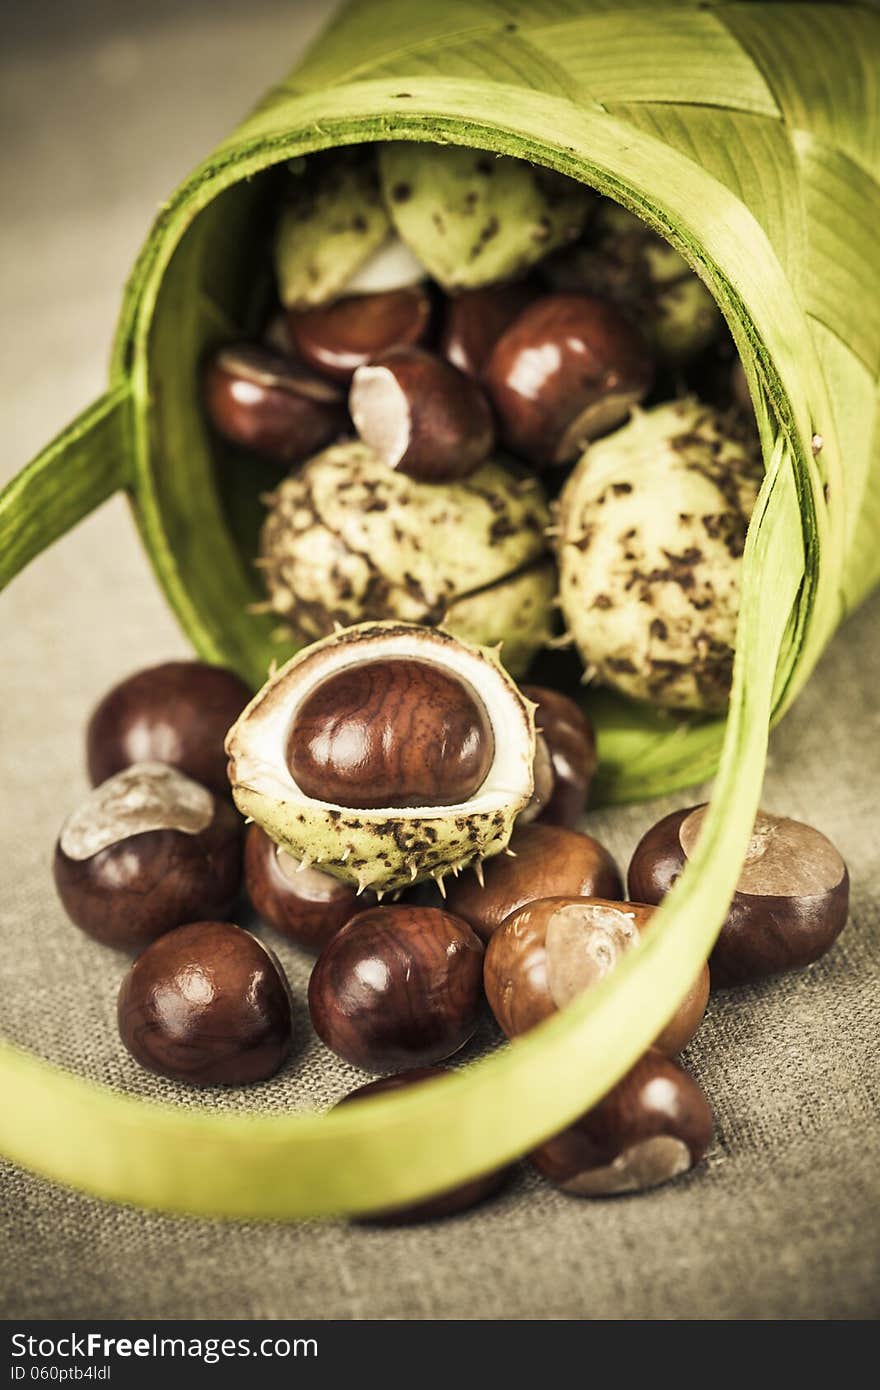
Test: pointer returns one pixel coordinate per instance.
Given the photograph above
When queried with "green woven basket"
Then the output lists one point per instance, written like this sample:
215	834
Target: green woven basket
749	135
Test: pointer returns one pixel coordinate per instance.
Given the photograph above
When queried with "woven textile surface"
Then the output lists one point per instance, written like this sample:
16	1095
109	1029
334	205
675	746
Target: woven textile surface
782	1221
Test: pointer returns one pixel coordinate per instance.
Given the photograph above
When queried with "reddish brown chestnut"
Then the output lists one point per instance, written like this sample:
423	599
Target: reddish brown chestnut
396	732
571	744
397	987
267	402
567	370
208	1004
654	1125
448	1203
550	951
303	904
547	861
474	321
338	338
147	850
791	902
176	713
421	415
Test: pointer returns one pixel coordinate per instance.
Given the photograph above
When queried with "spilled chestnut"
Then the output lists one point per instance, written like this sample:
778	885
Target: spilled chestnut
474	320
146	851
443	1204
175	713
544	861
207	1004
395	732
421	415
552	950
567	370
265	401
337	338
791	902
571	746
300	902
654	1125
398	987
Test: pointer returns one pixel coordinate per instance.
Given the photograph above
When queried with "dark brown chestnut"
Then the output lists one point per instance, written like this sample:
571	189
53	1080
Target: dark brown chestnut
550	951
176	713
397	732
655	1124
258	398
449	1203
475	319
208	1004
297	900
546	861
571	744
398	987
791	902
147	850
567	370
421	415
338	338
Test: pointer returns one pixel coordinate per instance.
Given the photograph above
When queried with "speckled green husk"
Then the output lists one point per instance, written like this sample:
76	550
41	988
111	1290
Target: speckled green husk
332	219
653	524
624	260
348	539
474	218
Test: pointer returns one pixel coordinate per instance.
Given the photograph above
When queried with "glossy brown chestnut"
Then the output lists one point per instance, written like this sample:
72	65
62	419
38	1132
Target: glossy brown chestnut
269	403
394	733
303	904
449	1203
571	743
207	1004
567	370
474	321
340	337
550	951
398	987
791	902
147	850
176	713
421	415
547	861
654	1125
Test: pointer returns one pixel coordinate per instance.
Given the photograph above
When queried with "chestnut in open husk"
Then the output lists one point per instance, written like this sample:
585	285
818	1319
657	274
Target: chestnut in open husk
208	1004
391	733
550	951
791	901
176	713
337	338
546	861
571	744
421	415
449	1203
566	371
398	987
655	1124
385	755
475	319
146	851
300	902
265	401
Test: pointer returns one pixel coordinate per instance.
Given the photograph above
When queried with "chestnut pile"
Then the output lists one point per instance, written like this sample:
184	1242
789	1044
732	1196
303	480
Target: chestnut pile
512	411
152	863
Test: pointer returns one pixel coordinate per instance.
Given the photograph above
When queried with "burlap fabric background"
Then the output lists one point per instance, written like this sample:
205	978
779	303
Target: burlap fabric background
783	1220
